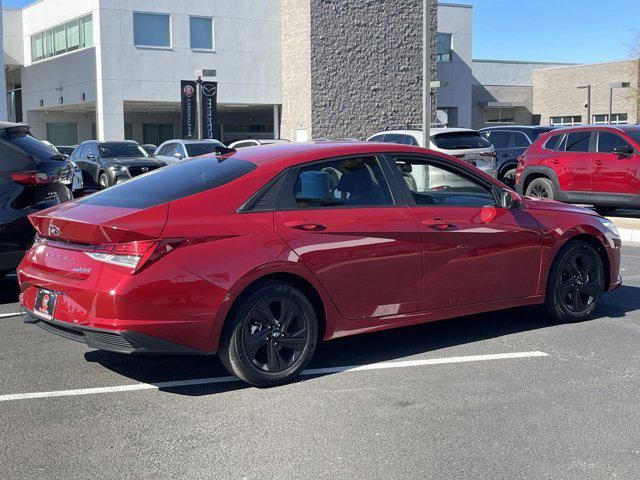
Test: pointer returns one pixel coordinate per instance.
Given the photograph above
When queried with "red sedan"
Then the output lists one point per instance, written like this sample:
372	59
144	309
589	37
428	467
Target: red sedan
259	254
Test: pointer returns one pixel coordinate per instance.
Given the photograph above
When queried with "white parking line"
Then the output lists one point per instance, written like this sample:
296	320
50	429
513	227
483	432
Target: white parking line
7	315
313	371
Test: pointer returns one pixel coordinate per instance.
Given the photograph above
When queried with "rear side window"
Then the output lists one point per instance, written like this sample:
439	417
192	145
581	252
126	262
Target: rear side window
460	140
377	138
521	140
608	141
578	142
552	142
172	183
400	138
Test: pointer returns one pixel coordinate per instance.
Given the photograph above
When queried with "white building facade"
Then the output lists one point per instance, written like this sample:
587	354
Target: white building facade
111	69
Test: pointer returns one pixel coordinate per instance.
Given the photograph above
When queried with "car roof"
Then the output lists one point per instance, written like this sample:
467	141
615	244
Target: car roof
5	125
620	128
288	154
433	131
512	127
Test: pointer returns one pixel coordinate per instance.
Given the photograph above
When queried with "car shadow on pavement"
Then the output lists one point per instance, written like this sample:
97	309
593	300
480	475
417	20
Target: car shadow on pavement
384	346
9	289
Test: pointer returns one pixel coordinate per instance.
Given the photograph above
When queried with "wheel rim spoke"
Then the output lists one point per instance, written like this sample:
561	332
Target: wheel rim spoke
274	361
295	341
592	288
287	314
587	265
262	314
573	267
256	341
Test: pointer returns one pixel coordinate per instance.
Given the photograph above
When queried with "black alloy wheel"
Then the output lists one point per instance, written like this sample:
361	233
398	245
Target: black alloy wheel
576	283
270	335
275	334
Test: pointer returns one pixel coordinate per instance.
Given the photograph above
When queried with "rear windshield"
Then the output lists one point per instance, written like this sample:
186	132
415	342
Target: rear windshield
32	146
171	183
460	140
196	149
116	150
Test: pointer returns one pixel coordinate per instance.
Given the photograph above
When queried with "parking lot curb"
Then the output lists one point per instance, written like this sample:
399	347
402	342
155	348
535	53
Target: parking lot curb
629	229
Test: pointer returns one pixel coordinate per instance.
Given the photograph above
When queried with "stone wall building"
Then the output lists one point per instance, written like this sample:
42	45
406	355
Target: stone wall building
351	67
560	96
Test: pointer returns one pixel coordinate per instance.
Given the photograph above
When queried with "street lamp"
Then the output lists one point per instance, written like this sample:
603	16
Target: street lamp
588	87
611	87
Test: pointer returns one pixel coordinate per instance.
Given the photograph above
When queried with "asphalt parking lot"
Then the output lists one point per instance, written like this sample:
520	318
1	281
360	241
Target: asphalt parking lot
526	400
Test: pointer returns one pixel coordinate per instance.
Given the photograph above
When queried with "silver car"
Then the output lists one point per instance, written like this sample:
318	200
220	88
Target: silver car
173	151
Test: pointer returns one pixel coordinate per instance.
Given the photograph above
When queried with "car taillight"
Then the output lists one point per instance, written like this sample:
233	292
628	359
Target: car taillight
133	255
32	178
520	160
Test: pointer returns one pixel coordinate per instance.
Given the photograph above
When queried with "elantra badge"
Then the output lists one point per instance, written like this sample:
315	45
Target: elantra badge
54	231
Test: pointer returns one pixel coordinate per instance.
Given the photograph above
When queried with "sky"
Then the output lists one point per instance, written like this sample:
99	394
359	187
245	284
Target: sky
580	31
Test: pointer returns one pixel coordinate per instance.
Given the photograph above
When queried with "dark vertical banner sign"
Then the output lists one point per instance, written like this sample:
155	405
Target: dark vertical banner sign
189	107
209	109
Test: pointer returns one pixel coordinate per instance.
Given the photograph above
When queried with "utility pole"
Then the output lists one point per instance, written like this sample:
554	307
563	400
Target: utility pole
426	72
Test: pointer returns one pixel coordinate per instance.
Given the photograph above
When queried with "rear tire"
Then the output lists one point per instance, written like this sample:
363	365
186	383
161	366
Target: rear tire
575	284
270	337
541	187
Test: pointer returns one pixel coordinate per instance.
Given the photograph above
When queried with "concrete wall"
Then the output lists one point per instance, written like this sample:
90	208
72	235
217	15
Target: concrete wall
296	69
12	37
458	21
366	65
3	101
556	93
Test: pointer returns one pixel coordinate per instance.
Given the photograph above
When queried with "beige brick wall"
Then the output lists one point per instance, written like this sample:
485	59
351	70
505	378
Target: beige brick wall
295	17
556	93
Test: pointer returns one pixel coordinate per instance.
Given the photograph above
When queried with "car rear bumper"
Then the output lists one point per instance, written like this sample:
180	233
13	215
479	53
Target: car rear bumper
110	340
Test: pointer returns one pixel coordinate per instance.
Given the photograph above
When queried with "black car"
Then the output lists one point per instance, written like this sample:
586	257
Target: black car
66	149
509	142
33	176
106	163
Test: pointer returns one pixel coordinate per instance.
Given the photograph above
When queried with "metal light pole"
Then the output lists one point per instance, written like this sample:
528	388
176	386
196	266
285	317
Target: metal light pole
611	87
426	72
588	87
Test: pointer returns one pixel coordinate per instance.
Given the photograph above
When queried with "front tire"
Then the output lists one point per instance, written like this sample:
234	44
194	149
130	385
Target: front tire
271	336
575	284
541	187
103	181
508	177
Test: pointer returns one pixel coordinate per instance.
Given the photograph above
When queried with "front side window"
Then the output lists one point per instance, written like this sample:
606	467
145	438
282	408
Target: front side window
608	141
340	183
201	31
151	29
460	140
500	139
400	138
434	184
578	142
443	52
119	150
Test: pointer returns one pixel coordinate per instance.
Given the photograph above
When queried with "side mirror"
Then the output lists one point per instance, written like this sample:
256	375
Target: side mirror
623	150
91	156
510	199
178	155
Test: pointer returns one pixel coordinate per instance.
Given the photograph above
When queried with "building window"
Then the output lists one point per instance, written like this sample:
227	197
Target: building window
443	52
499	115
151	29
201	29
566	120
156	133
616	119
128	131
62	133
67	37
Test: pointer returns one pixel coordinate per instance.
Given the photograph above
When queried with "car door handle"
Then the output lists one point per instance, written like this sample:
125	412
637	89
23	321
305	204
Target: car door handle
307	226
436	223
555	161
599	163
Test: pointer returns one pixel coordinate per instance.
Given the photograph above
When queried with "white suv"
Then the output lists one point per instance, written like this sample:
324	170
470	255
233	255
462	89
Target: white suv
462	143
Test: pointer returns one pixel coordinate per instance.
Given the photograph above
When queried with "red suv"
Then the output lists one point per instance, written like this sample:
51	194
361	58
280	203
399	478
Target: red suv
593	165
260	254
